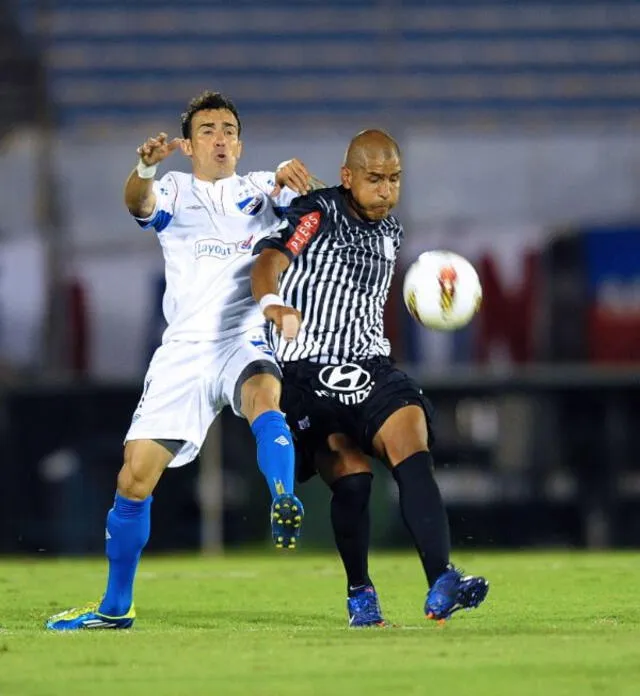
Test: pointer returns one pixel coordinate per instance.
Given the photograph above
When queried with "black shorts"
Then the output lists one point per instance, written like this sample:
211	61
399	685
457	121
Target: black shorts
355	398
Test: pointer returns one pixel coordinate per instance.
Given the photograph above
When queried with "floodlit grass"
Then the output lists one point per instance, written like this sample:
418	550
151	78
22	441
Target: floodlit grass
553	624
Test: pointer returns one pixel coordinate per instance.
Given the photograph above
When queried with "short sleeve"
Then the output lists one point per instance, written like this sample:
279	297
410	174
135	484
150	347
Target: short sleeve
166	191
302	221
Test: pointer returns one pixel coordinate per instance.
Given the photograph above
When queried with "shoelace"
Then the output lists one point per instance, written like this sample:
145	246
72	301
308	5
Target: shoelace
76	612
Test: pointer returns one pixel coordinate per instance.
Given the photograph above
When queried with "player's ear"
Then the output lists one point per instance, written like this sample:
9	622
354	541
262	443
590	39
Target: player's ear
239	149
345	177
185	146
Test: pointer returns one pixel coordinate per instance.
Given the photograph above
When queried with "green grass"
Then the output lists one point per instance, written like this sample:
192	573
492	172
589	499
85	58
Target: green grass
553	624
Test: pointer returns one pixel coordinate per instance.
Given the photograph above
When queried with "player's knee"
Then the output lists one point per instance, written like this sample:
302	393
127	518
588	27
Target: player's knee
349	465
139	474
346	459
401	448
340	468
133	484
402	435
353	489
259	394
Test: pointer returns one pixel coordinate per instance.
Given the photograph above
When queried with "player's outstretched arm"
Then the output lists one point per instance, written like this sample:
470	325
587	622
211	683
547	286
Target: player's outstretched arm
295	175
264	285
138	189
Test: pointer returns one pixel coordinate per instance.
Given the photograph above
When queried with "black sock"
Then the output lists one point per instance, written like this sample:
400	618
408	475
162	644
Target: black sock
424	513
350	521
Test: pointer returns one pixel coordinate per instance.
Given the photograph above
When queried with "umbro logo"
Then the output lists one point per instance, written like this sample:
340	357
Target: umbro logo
282	440
195	207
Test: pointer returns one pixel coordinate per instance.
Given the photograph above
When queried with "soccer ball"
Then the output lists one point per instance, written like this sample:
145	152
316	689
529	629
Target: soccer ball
442	290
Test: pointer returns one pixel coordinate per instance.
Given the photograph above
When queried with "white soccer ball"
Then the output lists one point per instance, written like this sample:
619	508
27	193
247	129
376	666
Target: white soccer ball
442	290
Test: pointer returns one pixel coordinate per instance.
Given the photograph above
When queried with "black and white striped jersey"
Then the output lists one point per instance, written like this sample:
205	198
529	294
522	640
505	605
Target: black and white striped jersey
339	278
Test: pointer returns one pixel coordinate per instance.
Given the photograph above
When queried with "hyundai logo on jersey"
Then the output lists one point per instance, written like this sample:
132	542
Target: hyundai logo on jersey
349	383
348	377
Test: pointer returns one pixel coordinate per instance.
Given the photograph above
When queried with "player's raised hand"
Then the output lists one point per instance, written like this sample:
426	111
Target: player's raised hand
154	150
286	319
296	176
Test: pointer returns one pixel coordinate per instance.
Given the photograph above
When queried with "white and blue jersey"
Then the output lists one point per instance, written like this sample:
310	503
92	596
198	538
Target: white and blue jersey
215	331
207	232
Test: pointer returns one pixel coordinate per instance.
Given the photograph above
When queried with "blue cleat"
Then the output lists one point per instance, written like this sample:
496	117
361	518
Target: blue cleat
286	520
452	592
364	608
89	617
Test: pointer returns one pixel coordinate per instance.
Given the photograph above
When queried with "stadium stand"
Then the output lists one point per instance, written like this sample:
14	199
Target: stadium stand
487	60
21	89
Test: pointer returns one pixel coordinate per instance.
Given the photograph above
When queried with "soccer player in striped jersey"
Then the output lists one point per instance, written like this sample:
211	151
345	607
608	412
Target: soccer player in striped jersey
214	351
323	283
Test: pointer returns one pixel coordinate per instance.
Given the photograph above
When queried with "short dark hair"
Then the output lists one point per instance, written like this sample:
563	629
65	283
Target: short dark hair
207	100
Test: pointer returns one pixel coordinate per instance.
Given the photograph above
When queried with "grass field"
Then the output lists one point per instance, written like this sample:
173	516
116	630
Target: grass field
553	624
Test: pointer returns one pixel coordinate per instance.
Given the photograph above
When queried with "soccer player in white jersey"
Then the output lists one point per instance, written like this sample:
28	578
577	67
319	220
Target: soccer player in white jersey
213	352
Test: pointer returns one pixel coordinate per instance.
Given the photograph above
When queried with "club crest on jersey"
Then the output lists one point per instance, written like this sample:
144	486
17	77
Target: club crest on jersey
389	250
246	245
214	247
251	205
261	345
304	423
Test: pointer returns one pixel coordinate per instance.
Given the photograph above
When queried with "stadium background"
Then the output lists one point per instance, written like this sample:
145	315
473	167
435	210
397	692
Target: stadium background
519	128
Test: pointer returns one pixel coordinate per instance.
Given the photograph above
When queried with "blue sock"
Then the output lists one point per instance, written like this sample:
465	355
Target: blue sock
276	456
128	527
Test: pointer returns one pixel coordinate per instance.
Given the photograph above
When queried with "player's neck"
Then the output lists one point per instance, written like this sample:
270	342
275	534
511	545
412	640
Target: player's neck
201	176
354	209
352	206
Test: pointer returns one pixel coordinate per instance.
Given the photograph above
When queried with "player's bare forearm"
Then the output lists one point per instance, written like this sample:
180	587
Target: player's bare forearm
265	275
139	196
266	271
138	190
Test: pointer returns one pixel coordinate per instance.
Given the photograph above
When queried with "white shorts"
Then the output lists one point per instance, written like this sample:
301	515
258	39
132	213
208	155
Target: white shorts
189	383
